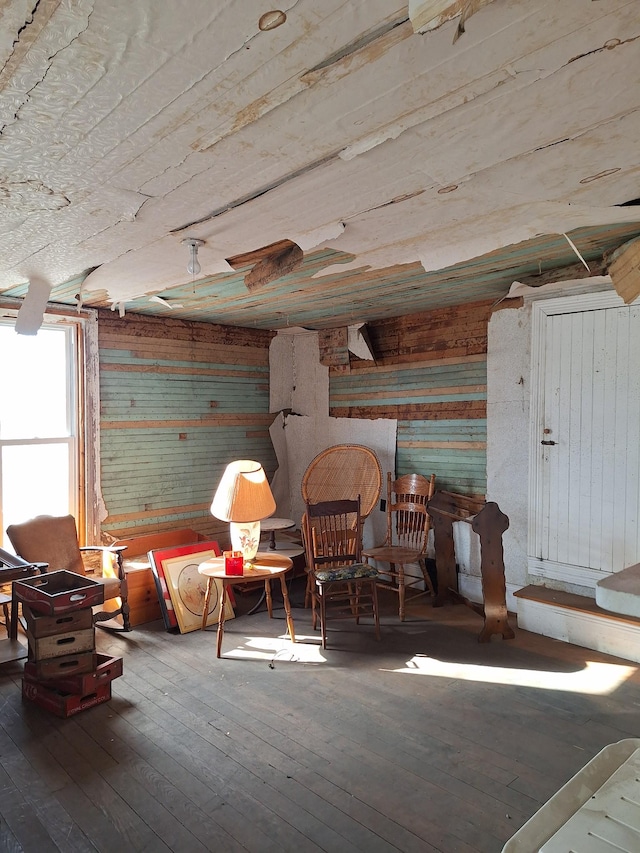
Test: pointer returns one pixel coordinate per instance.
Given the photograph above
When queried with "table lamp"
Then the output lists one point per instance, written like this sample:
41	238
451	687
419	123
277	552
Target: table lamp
243	498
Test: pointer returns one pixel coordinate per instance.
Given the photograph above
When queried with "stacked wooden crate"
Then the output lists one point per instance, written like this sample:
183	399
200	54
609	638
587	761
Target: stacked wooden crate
63	673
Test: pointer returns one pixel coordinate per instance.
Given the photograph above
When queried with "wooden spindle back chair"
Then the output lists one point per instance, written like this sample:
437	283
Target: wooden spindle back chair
405	545
342	587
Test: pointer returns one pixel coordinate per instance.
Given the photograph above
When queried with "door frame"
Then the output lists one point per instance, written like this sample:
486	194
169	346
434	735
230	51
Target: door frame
541	310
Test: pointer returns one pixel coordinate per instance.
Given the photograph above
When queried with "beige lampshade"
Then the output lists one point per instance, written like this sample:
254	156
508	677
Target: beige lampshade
243	494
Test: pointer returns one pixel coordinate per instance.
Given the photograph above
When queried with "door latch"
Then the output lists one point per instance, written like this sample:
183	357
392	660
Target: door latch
547	442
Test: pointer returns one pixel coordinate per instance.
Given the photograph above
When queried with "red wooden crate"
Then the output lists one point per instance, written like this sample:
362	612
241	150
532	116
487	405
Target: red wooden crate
47	626
106	670
58	592
63	666
58	645
64	704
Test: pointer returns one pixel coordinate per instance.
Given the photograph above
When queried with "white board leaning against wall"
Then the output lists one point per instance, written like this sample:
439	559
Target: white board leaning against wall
299	383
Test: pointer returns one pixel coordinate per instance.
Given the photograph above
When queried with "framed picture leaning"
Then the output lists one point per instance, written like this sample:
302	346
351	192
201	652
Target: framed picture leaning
182	590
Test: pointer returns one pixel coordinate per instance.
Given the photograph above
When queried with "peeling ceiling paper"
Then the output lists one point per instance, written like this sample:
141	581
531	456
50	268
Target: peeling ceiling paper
625	271
428	15
357	343
164	264
129	126
313	239
32	310
518	289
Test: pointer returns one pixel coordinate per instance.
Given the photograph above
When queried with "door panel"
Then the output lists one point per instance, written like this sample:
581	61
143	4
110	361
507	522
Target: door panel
587	472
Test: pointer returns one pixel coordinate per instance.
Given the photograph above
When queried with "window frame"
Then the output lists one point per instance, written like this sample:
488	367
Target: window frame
84	402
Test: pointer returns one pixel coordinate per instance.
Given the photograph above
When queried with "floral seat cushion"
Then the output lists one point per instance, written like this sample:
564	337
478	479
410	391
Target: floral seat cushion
355	571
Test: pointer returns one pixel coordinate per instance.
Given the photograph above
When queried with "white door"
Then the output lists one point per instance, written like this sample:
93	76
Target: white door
585	438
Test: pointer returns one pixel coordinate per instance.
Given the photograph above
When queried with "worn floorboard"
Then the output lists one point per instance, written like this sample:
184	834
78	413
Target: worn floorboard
425	741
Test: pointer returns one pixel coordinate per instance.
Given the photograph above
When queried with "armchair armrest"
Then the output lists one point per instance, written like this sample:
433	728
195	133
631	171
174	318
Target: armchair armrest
113	550
11	561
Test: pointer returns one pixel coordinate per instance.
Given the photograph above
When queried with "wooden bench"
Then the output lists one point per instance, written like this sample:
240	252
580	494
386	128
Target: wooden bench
487	520
143	596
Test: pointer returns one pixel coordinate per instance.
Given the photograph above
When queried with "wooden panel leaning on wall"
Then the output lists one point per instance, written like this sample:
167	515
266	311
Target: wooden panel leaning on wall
143	596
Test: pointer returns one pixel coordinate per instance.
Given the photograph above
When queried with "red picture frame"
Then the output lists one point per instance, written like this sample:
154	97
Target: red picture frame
157	557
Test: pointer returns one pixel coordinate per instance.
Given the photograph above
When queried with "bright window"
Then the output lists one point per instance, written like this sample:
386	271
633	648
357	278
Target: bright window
42	396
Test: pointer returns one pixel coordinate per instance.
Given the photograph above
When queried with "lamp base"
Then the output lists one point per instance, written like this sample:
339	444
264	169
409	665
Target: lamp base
245	537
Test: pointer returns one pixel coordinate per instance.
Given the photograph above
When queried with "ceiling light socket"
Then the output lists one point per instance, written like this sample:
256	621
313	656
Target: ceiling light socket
193	267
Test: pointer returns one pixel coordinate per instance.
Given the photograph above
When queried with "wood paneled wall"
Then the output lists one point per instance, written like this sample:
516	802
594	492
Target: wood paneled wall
430	373
179	400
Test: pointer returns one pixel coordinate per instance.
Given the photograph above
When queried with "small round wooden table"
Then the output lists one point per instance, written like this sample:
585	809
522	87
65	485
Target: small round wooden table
265	566
270	525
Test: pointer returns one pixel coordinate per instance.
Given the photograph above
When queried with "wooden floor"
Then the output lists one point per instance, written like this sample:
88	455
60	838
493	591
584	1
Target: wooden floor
424	741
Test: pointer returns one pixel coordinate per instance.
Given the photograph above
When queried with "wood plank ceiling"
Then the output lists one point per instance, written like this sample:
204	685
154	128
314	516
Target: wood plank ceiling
413	168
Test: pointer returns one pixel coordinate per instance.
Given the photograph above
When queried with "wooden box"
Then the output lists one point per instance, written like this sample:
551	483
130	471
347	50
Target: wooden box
47	626
106	669
71	642
144	605
62	666
58	592
142	594
64	704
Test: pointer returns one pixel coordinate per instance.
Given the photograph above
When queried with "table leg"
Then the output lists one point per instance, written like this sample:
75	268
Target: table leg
207	598
287	609
13	633
267	590
223	601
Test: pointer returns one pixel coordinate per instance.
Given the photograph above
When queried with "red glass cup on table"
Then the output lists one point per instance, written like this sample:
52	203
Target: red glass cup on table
233	563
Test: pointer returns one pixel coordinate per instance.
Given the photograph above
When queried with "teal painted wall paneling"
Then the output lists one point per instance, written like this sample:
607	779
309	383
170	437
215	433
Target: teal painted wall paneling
176	407
430	376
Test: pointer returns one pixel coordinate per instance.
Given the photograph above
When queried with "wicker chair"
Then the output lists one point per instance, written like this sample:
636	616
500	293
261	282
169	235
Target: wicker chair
405	545
342	472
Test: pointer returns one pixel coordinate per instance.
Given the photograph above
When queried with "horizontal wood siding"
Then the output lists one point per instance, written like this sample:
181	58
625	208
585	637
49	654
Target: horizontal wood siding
179	400
430	374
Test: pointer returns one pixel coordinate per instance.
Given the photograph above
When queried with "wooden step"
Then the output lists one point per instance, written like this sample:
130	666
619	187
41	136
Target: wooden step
579	620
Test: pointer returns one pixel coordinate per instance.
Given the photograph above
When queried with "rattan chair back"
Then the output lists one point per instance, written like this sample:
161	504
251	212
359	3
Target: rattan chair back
342	472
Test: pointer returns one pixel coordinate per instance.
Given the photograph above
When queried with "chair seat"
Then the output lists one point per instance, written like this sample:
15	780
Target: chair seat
394	554
346	573
340	584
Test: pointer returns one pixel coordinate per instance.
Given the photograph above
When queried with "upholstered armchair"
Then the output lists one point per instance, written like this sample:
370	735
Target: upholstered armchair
54	540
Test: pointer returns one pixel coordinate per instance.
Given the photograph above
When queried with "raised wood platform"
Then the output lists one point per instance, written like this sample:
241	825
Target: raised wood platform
579	620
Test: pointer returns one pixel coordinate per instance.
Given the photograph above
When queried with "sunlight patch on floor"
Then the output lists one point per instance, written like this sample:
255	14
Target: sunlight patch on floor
595	678
304	650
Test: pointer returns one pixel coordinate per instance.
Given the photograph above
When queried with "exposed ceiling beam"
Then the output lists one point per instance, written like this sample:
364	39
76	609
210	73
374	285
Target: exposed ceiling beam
568	273
270	263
